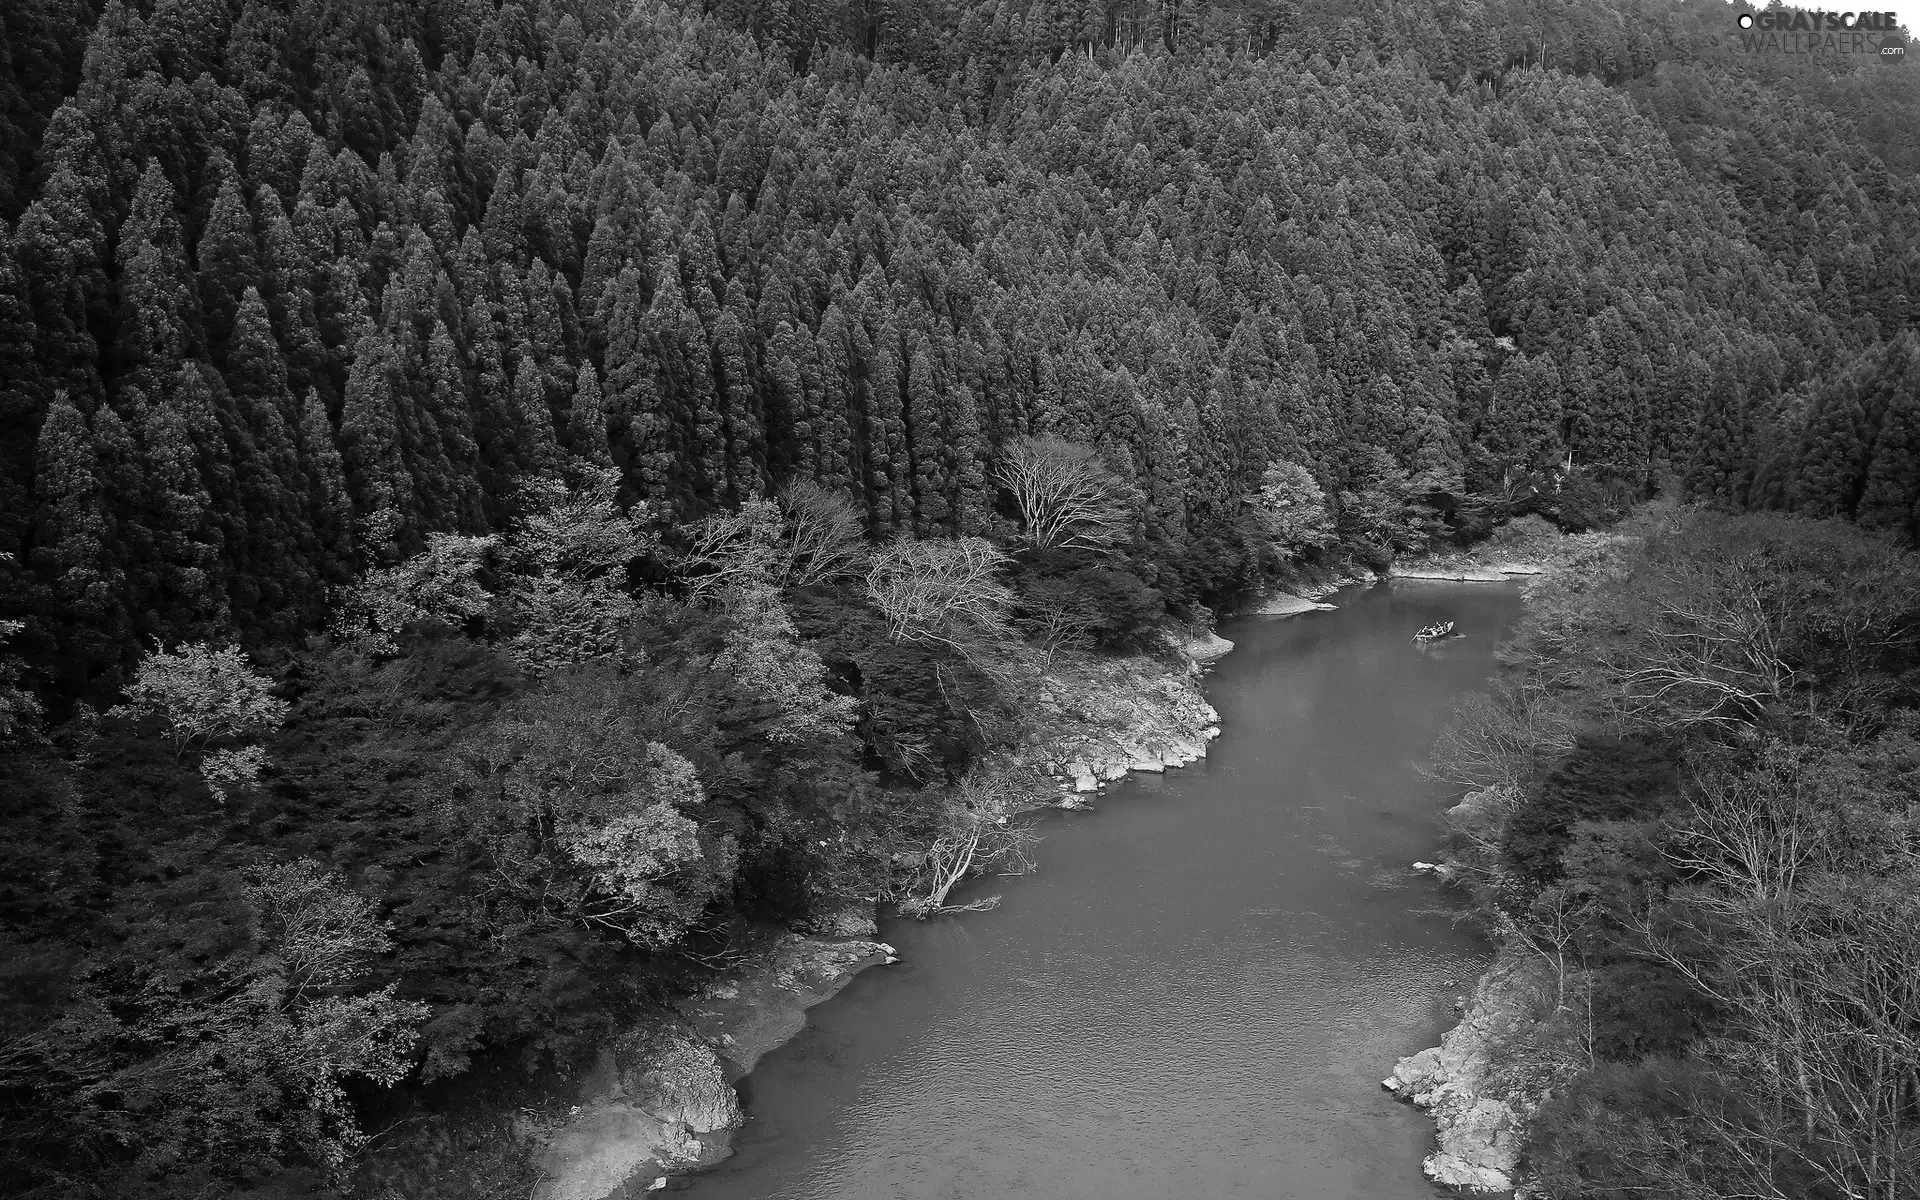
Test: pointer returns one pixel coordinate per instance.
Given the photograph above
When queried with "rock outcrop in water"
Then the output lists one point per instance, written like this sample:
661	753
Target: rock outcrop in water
1096	719
1481	1121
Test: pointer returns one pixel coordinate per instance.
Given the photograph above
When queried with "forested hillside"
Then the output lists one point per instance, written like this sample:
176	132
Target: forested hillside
1695	813
399	402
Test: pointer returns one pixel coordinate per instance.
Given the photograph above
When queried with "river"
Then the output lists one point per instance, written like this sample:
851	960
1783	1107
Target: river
1198	993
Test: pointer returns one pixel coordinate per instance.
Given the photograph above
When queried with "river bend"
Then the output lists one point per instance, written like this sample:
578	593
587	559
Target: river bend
1199	992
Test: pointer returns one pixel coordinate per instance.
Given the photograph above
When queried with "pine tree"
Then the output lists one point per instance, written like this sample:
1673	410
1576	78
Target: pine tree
929	482
503	229
158	319
493	424
1832	465
640	433
154	301
255	369
1891	498
1524	426
458	453
842	456
792	414
125	501
699	265
286	269
1719	471
890	471
56	244
191	396
544	330
281	551
21	397
606	258
969	500
685	390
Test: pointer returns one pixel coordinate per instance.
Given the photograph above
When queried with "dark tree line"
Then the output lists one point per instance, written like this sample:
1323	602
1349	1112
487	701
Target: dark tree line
276	272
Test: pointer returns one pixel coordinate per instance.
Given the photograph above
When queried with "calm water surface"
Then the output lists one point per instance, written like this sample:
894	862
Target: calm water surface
1200	991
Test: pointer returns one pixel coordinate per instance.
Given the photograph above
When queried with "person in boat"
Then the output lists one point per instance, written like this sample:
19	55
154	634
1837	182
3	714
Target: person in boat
1438	629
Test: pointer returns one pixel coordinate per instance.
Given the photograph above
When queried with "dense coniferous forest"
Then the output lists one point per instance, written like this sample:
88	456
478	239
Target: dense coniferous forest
494	494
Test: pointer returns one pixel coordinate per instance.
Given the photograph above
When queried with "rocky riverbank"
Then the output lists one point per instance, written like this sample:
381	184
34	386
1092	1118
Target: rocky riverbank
1479	1109
661	1099
1096	719
1493	1069
1517	551
1306	594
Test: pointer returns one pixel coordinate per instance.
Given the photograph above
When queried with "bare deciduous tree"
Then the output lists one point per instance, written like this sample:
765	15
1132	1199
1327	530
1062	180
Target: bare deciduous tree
944	592
732	550
1710	655
1816	965
1500	739
825	538
1055	630
1067	497
976	833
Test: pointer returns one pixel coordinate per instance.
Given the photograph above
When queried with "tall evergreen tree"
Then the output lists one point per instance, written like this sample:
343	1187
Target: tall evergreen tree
328	499
740	421
587	419
377	475
73	551
228	255
190	601
1891	496
1524	424
21	400
540	448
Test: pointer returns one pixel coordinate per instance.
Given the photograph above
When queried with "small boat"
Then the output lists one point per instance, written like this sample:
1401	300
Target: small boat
1434	632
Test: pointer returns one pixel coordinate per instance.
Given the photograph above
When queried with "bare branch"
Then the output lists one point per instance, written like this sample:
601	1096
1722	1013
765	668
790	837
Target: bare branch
1067	498
825	537
944	592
